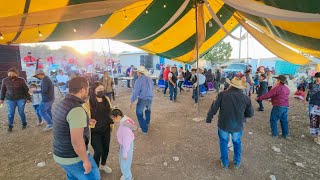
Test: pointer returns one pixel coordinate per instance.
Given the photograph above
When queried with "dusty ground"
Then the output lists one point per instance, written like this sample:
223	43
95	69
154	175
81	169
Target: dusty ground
173	133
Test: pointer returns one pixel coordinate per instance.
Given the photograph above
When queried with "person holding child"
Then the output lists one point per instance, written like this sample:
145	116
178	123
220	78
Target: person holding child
36	101
98	109
125	138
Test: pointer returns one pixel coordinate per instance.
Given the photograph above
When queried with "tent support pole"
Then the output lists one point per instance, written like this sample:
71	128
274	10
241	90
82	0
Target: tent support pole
197	58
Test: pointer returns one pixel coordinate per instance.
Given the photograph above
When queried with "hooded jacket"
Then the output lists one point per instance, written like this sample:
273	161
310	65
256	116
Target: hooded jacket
125	134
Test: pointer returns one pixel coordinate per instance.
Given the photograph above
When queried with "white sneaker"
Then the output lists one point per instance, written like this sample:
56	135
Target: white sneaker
122	178
106	169
40	123
48	128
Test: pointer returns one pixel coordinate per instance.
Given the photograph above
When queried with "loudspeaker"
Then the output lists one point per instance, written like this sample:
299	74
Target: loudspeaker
9	57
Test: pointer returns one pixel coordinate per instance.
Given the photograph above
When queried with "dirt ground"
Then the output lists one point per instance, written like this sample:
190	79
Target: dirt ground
173	133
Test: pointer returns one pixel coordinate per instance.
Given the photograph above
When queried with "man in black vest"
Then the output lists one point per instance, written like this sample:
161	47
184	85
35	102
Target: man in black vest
71	134
173	83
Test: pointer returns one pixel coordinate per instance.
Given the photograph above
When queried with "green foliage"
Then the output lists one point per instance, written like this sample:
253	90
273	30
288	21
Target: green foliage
221	52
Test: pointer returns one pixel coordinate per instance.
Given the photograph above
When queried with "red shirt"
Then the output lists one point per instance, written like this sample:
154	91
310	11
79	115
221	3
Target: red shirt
279	95
28	59
166	74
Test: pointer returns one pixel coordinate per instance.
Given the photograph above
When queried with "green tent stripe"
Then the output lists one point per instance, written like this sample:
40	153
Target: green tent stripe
307	6
84	28
147	24
300	40
141	43
189	44
73	2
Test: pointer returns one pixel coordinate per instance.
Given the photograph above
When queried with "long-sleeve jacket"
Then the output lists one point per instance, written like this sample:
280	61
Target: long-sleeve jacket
143	89
125	135
14	89
279	95
263	88
47	89
234	108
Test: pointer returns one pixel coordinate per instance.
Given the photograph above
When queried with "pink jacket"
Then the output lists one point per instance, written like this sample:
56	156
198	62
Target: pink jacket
125	134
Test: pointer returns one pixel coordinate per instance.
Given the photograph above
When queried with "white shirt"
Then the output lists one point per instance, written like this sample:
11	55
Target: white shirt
62	78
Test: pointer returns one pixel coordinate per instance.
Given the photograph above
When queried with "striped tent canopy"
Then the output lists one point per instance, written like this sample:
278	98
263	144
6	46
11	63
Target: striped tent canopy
167	28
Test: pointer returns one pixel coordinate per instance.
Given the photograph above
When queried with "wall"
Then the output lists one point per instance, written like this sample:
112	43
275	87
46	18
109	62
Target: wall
127	60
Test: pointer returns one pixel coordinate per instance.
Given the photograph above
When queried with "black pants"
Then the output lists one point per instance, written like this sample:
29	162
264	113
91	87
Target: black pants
128	83
180	85
100	143
166	86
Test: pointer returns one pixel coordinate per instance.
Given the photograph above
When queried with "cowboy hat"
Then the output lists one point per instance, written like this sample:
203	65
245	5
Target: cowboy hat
39	71
237	83
143	70
282	78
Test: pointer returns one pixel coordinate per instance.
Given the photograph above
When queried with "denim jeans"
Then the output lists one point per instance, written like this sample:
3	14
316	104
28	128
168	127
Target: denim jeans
236	139
76	171
36	108
144	105
12	104
45	112
109	95
195	95
279	112
125	165
166	85
260	104
173	92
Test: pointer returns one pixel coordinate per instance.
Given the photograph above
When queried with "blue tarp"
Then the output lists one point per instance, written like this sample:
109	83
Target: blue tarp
283	67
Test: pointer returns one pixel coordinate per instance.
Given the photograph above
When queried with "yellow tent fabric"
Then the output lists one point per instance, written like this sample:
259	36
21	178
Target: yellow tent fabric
150	24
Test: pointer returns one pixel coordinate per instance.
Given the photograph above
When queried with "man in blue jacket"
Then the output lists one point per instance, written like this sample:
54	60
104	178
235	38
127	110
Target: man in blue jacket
47	94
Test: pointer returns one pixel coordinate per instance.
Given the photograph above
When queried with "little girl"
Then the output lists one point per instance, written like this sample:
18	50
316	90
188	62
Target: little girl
36	100
125	138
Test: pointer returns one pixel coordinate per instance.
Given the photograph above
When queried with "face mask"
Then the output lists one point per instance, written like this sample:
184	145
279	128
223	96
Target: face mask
100	94
13	77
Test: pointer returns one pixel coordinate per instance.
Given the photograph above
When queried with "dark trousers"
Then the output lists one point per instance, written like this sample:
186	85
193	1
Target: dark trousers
279	112
166	85
260	105
195	95
217	85
100	143
180	85
128	83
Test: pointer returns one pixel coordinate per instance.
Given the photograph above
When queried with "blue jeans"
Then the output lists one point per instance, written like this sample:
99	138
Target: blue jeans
173	92
45	112
144	105
279	112
12	104
36	108
195	95
166	85
125	165
76	171
236	139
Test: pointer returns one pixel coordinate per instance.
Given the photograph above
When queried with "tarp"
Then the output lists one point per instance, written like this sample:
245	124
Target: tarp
162	27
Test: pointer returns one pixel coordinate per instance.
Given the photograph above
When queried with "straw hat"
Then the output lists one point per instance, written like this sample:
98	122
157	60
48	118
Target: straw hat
237	83
143	70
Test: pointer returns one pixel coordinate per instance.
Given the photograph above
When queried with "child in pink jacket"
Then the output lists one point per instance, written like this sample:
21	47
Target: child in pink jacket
125	138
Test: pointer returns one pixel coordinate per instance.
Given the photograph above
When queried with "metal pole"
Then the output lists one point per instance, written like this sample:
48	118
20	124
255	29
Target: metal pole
240	44
247	48
109	54
197	58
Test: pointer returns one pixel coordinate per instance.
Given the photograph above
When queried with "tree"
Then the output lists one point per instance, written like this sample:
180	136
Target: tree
219	53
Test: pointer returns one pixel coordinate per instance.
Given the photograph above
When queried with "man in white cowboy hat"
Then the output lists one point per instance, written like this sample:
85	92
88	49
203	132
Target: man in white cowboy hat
143	91
234	108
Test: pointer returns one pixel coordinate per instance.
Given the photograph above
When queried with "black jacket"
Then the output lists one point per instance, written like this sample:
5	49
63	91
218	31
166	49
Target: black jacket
234	108
14	89
47	89
263	88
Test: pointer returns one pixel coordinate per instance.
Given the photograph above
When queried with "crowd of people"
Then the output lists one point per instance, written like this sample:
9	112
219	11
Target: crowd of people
86	114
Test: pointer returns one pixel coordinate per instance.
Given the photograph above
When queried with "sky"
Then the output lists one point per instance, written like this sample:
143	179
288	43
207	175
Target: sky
255	50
